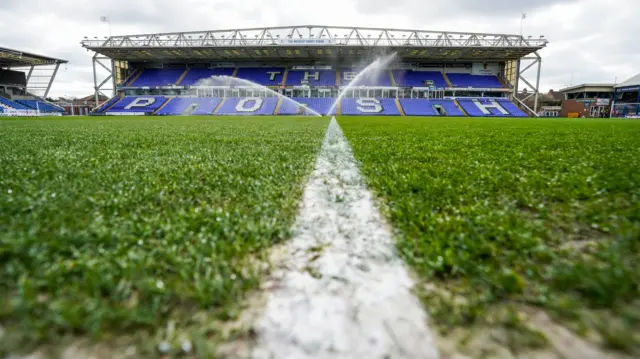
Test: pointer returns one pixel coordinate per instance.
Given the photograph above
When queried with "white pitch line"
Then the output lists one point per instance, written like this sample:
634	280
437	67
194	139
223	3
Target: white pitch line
342	291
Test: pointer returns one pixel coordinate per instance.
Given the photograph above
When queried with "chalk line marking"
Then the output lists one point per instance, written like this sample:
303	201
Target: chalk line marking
341	290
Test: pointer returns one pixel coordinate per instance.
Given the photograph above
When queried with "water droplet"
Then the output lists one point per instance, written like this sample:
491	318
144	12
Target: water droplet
164	347
186	346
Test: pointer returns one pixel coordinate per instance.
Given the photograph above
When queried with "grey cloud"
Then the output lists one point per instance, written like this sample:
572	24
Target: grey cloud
428	10
587	39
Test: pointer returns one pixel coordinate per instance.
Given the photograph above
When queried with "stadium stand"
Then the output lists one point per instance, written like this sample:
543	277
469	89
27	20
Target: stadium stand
424	107
319	78
248	106
474	81
369	106
378	78
320	105
414	72
417	107
268	76
138	104
411	78
107	104
158	77
195	75
41	106
190	106
474	107
511	108
483	107
12	104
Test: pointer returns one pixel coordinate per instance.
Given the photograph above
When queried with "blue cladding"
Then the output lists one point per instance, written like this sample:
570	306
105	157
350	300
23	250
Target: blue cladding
180	105
369	106
320	105
248	106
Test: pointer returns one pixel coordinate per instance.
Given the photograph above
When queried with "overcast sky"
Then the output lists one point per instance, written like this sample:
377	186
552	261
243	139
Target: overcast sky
594	40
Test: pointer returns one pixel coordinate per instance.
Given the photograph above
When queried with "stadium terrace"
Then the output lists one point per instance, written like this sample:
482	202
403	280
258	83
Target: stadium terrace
20	86
434	73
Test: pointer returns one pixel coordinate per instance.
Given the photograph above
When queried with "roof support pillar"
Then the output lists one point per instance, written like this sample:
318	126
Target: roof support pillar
30	72
97	87
535	89
53	76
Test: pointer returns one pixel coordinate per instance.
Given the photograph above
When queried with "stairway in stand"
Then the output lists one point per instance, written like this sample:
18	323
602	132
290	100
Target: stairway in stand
134	78
184	74
277	110
222	102
446	79
393	79
162	106
460	107
399	106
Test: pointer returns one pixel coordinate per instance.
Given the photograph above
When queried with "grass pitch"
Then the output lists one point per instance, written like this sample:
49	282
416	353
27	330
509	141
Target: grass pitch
511	213
128	224
154	227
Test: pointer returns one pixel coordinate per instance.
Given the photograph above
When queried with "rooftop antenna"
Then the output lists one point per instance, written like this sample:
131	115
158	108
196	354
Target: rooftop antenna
524	16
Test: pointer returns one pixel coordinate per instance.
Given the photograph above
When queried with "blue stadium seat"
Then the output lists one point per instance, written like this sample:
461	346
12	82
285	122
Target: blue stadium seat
369	106
474	81
158	77
449	106
195	75
14	105
325	78
410	78
106	105
138	104
512	108
40	105
417	107
473	110
248	106
320	105
190	105
379	78
268	76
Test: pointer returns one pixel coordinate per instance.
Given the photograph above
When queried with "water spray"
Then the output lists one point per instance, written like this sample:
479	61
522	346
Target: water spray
380	64
223	80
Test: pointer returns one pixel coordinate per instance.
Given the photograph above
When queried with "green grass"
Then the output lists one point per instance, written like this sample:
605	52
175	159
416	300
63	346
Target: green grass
506	212
118	226
154	229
